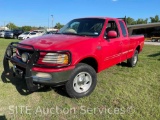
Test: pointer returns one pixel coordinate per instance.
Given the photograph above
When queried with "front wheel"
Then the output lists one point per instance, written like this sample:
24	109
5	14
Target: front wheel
82	81
133	60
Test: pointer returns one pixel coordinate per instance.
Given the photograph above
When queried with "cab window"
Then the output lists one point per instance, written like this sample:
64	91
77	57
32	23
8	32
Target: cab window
111	26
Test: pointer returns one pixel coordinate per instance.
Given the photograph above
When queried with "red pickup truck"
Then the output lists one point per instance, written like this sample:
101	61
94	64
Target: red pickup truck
73	55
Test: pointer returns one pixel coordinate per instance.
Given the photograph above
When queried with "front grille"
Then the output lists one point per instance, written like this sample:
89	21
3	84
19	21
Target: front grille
20	38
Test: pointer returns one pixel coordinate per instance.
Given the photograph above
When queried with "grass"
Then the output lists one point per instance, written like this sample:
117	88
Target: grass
122	93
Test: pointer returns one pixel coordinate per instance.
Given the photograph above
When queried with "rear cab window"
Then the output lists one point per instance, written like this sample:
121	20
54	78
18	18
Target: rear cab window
123	28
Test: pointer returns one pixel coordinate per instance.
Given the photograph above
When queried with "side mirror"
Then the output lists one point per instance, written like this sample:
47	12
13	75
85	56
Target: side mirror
112	34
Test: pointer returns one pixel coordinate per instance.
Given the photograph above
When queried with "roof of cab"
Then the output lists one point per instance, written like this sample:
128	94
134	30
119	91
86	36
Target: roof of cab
97	17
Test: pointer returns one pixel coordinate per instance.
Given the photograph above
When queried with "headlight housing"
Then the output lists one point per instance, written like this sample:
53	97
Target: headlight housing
56	58
25	57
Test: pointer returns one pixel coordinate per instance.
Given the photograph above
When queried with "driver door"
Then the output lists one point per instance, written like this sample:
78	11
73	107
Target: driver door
111	47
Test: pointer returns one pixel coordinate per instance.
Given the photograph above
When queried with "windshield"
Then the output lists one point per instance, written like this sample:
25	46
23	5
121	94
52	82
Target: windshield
26	33
8	31
85	26
33	33
38	31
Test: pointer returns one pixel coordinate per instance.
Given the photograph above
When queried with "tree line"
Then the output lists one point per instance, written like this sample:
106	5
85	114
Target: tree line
130	21
12	26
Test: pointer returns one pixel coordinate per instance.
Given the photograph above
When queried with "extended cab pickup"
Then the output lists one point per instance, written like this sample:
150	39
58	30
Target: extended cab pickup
74	55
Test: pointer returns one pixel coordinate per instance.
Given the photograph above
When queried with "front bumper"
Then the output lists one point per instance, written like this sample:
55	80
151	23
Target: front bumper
32	76
54	78
8	36
2	35
21	38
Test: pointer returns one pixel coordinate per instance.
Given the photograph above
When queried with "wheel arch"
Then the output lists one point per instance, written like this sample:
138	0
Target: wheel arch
138	48
90	61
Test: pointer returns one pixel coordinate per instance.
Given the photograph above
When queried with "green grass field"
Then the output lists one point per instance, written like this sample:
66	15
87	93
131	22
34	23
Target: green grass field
122	93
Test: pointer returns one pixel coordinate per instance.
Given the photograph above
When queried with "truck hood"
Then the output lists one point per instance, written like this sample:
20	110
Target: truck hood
55	41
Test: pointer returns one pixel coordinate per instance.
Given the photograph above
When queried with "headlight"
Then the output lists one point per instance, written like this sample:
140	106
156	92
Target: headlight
56	58
25	57
9	52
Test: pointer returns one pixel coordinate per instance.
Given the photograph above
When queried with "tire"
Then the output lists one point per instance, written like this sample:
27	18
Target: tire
153	40
15	37
133	61
82	81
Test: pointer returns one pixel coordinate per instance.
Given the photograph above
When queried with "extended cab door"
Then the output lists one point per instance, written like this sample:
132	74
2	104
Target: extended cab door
124	39
111	47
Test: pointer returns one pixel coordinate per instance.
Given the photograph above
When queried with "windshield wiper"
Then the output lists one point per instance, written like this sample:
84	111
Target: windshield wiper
68	33
72	34
87	34
57	33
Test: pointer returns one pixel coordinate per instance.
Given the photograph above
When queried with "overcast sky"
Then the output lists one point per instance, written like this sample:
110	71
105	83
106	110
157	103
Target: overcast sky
38	12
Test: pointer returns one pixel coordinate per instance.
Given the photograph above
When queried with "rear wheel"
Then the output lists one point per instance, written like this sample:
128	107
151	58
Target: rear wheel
82	81
133	61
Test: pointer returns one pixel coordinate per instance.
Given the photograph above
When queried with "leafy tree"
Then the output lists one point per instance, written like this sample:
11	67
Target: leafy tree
131	21
26	28
11	26
142	21
146	20
58	26
40	28
34	28
155	19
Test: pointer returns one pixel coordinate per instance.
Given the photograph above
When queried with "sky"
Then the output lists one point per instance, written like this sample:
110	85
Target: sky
39	12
